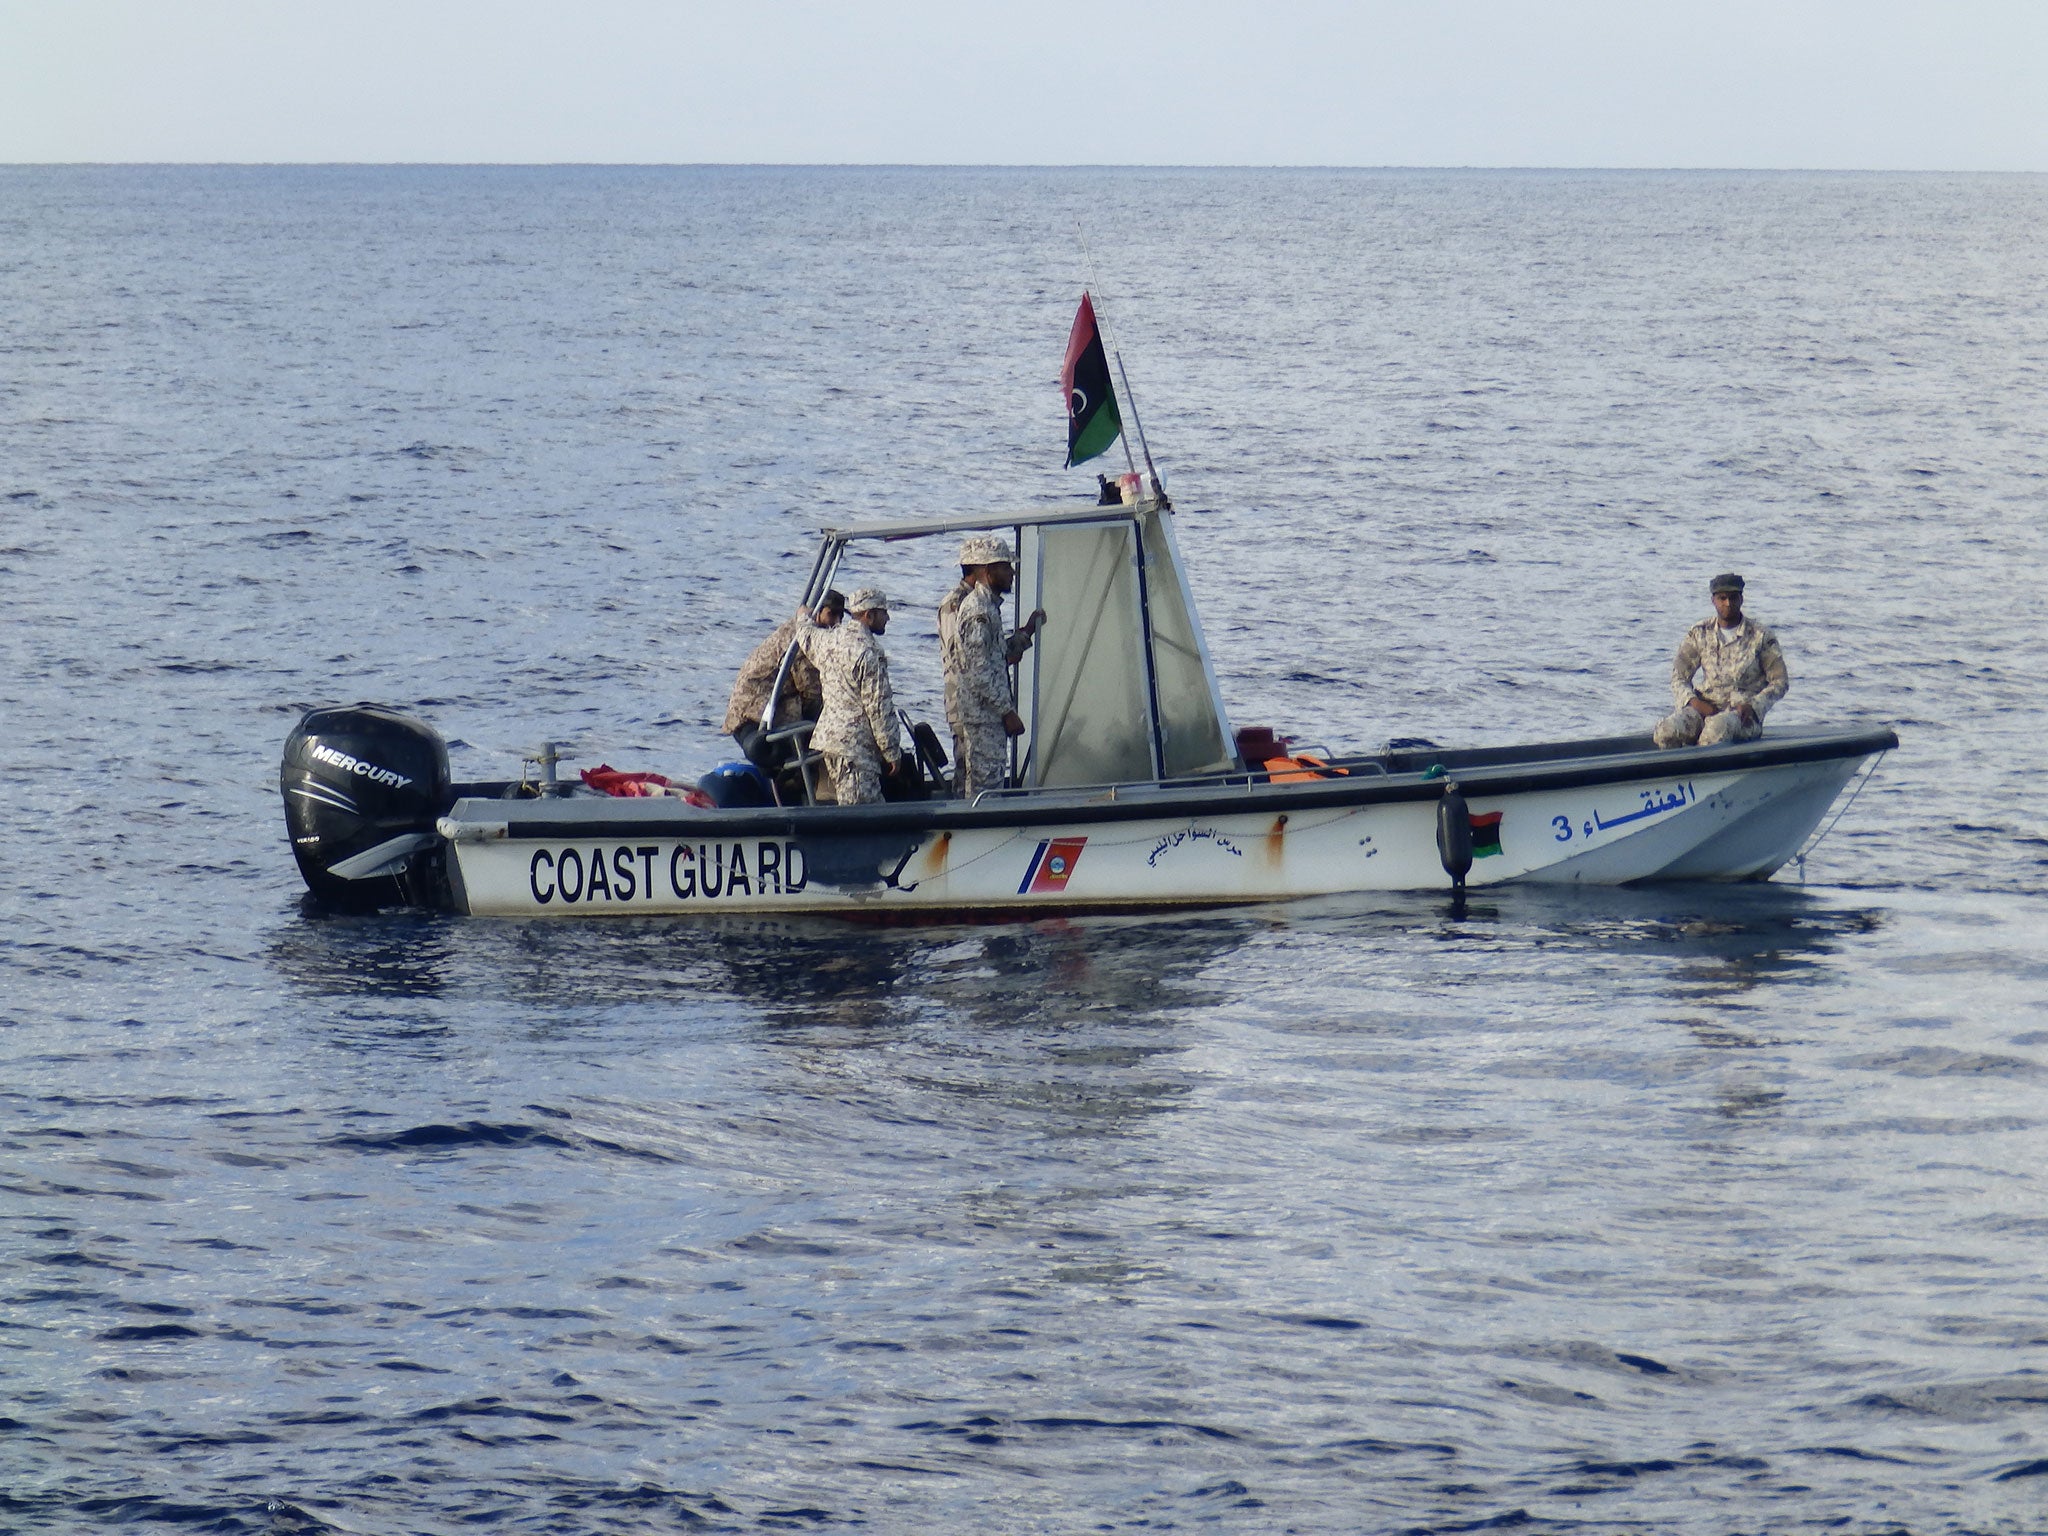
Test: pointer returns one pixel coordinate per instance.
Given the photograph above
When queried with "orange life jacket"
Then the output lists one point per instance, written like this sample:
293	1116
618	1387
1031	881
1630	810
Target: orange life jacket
1284	770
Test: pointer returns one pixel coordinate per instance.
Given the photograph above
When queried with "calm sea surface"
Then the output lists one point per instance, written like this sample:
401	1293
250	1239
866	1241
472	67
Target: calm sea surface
1674	1210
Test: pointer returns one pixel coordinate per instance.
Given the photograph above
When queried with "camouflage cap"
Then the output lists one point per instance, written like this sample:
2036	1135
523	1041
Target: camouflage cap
865	599
985	549
1727	581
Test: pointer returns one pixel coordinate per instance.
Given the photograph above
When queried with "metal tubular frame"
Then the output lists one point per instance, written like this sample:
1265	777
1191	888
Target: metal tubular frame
1131	515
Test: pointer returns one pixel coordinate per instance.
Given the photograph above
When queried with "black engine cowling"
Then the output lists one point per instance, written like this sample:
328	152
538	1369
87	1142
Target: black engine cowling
363	786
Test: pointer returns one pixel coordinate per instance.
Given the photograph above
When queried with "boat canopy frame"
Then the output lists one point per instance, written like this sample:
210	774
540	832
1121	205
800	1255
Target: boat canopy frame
1130	698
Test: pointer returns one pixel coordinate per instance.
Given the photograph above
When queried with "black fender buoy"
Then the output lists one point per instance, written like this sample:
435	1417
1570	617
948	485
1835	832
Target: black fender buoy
1454	835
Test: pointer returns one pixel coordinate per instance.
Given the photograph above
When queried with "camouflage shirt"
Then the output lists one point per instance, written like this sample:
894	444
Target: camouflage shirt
800	690
859	714
976	654
1746	669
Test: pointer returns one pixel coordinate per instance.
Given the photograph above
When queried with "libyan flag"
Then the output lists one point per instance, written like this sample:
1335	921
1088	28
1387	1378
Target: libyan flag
1092	419
1486	835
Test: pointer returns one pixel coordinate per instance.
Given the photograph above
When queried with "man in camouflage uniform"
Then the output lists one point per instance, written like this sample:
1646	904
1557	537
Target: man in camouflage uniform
977	656
801	696
856	729
1726	676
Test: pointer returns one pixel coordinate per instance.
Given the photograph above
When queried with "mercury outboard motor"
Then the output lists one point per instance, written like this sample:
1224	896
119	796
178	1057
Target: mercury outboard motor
363	786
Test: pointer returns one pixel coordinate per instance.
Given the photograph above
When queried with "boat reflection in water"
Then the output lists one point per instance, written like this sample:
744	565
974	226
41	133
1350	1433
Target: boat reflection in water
935	1041
395	955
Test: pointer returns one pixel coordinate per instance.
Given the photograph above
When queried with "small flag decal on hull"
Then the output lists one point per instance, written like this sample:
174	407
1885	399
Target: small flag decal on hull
1486	835
1052	866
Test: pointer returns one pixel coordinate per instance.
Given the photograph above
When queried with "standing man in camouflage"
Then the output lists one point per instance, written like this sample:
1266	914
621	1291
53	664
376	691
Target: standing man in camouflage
1727	674
802	696
856	729
980	703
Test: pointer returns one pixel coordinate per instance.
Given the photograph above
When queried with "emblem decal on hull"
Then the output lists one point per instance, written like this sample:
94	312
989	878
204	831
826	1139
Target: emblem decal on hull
1052	866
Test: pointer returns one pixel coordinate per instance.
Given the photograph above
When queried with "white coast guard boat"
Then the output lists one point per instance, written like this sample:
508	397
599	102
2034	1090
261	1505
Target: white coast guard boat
1131	790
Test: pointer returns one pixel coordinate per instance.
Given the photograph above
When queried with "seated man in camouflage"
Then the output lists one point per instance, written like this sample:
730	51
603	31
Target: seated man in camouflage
1727	674
802	696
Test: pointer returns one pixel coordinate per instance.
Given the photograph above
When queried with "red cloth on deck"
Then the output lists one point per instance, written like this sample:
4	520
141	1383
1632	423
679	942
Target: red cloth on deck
608	780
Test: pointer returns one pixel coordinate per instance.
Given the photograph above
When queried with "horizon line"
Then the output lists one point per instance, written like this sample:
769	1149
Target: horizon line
1008	165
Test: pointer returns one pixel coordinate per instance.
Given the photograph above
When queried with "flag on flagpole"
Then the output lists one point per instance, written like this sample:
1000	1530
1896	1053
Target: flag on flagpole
1092	419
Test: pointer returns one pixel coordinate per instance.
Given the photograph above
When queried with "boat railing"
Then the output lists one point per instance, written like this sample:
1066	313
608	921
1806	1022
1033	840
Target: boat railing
797	735
1246	779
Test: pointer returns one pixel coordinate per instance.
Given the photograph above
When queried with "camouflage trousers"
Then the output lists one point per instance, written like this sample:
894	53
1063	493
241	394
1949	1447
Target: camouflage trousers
981	756
854	778
1687	728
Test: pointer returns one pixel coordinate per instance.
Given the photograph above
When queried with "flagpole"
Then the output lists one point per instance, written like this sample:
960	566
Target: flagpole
1127	395
1094	288
1143	446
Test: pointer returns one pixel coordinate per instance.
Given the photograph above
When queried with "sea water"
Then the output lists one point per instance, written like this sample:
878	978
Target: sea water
1675	1210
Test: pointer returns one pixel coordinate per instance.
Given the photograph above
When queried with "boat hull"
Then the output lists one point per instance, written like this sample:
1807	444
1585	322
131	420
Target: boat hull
1567	814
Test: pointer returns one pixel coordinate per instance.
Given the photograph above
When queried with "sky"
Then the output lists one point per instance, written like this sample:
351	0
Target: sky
1792	84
